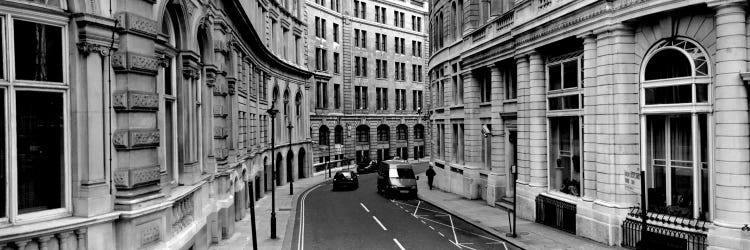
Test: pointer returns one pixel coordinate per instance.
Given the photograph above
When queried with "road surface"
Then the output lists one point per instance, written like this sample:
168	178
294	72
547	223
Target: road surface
363	219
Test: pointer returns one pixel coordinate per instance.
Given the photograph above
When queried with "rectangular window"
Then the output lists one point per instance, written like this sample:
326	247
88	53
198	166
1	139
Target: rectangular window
509	77
356	9
39	50
322	95
377	14
356	37
336	62
485	86
40	147
565	155
336	96
677	177
336	32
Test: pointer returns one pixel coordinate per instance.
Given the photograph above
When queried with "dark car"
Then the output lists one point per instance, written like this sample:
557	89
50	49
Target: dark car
346	179
367	167
397	178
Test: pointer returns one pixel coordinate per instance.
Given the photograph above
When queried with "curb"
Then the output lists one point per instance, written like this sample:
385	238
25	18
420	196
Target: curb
293	216
488	230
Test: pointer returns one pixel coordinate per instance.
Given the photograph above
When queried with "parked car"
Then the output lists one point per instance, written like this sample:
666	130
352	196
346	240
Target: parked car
367	167
346	178
396	178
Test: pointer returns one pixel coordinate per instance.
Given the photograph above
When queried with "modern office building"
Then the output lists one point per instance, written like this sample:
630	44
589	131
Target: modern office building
368	60
581	95
143	124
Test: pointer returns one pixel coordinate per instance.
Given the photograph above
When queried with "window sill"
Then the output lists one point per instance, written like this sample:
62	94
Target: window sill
510	101
457	106
485	104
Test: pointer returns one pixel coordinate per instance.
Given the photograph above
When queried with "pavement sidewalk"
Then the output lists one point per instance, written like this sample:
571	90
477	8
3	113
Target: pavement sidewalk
286	207
495	221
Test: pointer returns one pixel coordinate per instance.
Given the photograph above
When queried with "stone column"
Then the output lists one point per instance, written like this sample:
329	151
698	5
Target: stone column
537	121
589	117
89	105
732	161
604	113
625	143
522	146
136	136
496	181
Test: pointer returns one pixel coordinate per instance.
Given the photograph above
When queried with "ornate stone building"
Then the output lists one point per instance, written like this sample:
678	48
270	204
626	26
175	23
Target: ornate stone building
368	59
132	124
581	95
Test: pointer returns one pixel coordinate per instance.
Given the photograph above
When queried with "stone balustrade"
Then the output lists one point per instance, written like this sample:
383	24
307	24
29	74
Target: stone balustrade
69	239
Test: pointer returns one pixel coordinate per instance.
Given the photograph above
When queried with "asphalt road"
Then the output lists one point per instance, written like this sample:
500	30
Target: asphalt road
363	219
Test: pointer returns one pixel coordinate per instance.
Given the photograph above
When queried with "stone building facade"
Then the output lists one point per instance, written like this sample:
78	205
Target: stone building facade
368	58
582	95
134	124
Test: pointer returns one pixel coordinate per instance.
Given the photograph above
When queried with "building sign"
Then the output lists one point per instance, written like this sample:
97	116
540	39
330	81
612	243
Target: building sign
633	180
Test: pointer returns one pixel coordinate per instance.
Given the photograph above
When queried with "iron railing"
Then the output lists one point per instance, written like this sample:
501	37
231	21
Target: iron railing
669	236
660	237
556	213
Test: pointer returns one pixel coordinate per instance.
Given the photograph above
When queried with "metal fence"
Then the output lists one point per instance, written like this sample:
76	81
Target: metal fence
555	213
659	237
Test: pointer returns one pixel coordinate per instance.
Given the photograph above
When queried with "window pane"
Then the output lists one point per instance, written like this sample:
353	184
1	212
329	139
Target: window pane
2	51
701	93
40	151
571	74
705	208
3	158
669	95
565	172
38	51
656	164
668	63
554	77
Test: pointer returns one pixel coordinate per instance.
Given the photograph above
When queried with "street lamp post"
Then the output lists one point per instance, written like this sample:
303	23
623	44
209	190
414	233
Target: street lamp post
289	168
328	164
272	113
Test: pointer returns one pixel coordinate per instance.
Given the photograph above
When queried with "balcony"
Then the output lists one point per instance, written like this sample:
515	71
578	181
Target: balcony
65	234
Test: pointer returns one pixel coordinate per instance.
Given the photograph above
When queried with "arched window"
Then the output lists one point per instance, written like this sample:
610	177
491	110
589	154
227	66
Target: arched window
419	131
402	132
323	135
454	20
363	133
298	103
384	133
275	93
338	135
676	58
168	76
675	107
286	103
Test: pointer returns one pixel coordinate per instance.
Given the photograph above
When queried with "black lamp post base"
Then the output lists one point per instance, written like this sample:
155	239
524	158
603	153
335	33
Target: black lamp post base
512	235
273	225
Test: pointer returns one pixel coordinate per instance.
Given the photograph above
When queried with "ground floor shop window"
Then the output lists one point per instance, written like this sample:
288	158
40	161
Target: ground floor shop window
384	154
565	170
363	155
677	171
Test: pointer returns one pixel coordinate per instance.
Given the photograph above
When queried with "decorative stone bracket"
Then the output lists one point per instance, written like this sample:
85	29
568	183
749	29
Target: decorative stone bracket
135	24
137	177
136	63
135	139
135	101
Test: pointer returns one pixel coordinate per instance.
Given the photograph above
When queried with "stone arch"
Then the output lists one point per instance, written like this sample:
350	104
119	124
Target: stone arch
279	160
266	174
290	165
301	159
699	27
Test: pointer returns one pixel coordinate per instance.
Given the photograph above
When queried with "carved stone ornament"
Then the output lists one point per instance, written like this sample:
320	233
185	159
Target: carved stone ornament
149	233
135	101
136	24
136	177
191	73
134	139
231	86
88	48
136	63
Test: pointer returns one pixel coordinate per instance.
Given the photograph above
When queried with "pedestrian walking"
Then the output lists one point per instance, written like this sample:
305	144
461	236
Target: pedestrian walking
430	176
